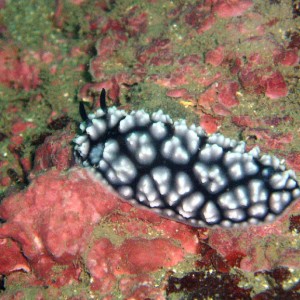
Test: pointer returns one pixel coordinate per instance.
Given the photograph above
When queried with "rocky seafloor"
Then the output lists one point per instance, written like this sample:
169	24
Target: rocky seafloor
231	66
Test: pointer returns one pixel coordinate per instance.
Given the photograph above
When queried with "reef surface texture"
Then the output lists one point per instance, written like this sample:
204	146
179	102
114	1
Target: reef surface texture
227	65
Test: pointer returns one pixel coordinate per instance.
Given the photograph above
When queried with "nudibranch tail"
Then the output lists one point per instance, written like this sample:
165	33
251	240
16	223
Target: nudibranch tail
180	172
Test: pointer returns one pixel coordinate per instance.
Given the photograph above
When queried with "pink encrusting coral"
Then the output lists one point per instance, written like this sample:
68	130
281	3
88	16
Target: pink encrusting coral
61	221
231	8
15	72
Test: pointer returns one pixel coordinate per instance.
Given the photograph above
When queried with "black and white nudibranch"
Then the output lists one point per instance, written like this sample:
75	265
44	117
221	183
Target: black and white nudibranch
180	172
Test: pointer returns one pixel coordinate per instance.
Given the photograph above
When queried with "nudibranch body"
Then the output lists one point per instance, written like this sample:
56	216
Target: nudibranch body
180	172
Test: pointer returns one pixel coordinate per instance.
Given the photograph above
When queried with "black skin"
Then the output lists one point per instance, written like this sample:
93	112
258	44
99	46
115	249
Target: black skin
103	106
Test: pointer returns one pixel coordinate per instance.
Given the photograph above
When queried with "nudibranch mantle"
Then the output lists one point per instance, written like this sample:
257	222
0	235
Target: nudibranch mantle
180	172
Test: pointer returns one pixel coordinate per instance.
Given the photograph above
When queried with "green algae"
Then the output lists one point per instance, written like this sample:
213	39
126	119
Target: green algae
151	98
262	281
29	21
257	283
75	289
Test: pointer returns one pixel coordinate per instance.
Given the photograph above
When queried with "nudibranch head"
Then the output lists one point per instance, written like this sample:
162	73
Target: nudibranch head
180	172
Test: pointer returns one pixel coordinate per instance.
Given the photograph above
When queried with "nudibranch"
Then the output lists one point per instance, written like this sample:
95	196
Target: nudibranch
180	172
